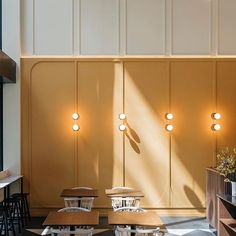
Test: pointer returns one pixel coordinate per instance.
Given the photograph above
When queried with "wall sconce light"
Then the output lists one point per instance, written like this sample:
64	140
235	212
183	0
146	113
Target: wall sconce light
216	127
122	116
216	116
75	127
169	116
75	116
122	127
169	127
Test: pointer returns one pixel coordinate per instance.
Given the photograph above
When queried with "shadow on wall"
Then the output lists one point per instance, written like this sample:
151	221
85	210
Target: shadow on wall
193	198
133	138
133	134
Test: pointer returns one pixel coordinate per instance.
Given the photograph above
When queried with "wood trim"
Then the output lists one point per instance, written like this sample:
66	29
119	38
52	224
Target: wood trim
135	59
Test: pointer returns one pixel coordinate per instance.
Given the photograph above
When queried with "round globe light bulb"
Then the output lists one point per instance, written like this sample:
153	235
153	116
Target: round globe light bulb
169	127
75	116
216	116
122	127
75	127
122	116
169	116
216	127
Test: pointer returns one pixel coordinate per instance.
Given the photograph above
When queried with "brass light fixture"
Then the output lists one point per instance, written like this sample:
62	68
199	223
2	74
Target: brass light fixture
122	116
75	116
216	127
122	127
169	127
169	117
216	116
76	127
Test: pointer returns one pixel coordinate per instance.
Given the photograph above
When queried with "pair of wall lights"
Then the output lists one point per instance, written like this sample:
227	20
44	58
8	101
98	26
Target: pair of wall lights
75	126
215	126
122	117
169	116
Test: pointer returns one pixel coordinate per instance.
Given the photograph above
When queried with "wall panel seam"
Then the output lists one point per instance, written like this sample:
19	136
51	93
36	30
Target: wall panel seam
33	27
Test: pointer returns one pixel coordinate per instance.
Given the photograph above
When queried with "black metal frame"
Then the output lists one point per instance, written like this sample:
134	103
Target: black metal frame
0	24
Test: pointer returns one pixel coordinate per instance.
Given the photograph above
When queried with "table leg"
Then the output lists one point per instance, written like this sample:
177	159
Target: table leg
133	227
8	191
21	185
5	193
72	228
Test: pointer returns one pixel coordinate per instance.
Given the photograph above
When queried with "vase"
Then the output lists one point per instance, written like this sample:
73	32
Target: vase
233	187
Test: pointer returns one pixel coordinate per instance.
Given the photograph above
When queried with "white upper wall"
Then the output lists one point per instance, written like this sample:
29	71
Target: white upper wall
227	27
128	27
191	27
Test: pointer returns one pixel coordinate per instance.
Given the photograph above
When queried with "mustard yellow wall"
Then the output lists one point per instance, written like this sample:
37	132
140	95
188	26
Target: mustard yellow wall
168	167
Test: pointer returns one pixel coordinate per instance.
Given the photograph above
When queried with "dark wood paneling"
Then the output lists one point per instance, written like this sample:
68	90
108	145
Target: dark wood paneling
215	185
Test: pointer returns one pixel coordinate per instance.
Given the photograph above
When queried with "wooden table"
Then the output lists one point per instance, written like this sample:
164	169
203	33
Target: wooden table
123	193
72	218
135	218
79	193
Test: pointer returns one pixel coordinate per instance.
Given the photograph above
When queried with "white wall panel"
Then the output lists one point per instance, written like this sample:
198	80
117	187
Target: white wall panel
100	27
27	27
53	27
132	27
191	22
227	27
145	26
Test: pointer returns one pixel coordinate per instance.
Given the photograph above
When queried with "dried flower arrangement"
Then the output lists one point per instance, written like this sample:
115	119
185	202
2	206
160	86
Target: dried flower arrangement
226	163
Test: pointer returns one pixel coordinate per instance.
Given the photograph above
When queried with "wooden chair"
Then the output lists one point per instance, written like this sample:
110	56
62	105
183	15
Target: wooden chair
127	230
83	202
118	202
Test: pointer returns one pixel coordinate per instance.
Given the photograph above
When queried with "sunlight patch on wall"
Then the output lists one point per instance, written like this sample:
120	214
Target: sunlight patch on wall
147	148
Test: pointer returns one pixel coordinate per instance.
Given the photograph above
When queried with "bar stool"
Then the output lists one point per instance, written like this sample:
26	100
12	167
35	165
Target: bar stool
14	209
6	220
24	206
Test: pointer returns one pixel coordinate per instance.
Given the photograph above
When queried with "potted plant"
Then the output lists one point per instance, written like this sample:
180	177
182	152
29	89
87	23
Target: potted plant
226	165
